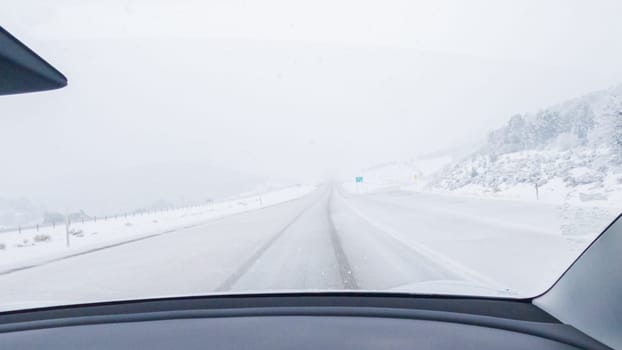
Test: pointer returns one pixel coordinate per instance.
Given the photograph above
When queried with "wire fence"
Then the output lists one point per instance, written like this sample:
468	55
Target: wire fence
78	218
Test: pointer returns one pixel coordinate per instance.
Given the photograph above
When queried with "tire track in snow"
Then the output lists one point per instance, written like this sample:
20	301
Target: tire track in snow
243	269
345	270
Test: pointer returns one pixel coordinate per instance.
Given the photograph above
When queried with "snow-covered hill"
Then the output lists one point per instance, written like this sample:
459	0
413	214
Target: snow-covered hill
567	153
567	157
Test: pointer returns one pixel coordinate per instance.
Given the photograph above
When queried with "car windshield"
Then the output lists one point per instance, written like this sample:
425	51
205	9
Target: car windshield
207	147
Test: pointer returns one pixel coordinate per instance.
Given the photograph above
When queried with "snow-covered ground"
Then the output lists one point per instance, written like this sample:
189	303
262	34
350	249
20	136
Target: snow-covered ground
568	155
330	239
555	211
514	244
580	175
32	247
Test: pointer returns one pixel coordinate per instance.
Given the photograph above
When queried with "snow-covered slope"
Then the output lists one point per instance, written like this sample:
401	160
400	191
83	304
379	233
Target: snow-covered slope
413	174
571	152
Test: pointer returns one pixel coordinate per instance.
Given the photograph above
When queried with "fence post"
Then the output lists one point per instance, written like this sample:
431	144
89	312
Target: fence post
19	229
67	223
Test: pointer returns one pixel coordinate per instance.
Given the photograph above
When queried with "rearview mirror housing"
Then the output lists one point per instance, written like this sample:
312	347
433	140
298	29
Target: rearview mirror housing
22	70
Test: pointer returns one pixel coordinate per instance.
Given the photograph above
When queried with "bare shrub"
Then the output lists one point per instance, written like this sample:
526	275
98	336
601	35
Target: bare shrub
25	243
76	232
42	238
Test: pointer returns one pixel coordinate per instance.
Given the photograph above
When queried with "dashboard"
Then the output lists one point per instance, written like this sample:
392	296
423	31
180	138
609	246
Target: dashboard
300	321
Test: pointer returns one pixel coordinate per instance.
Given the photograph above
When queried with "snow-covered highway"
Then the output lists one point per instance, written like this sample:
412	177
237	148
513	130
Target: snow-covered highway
328	239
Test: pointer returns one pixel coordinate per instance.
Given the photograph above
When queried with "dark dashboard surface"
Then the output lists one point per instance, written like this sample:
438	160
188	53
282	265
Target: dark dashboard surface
300	321
277	332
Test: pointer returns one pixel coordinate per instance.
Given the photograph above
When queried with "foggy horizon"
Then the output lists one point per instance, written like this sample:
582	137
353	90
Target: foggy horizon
277	98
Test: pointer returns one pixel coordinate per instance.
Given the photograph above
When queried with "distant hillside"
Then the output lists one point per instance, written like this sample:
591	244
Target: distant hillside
594	120
14	212
573	149
154	185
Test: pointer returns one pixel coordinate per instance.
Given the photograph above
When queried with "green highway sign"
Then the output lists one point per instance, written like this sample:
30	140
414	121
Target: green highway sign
359	179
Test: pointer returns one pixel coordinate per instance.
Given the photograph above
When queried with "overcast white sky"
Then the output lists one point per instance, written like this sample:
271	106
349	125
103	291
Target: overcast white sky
284	89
